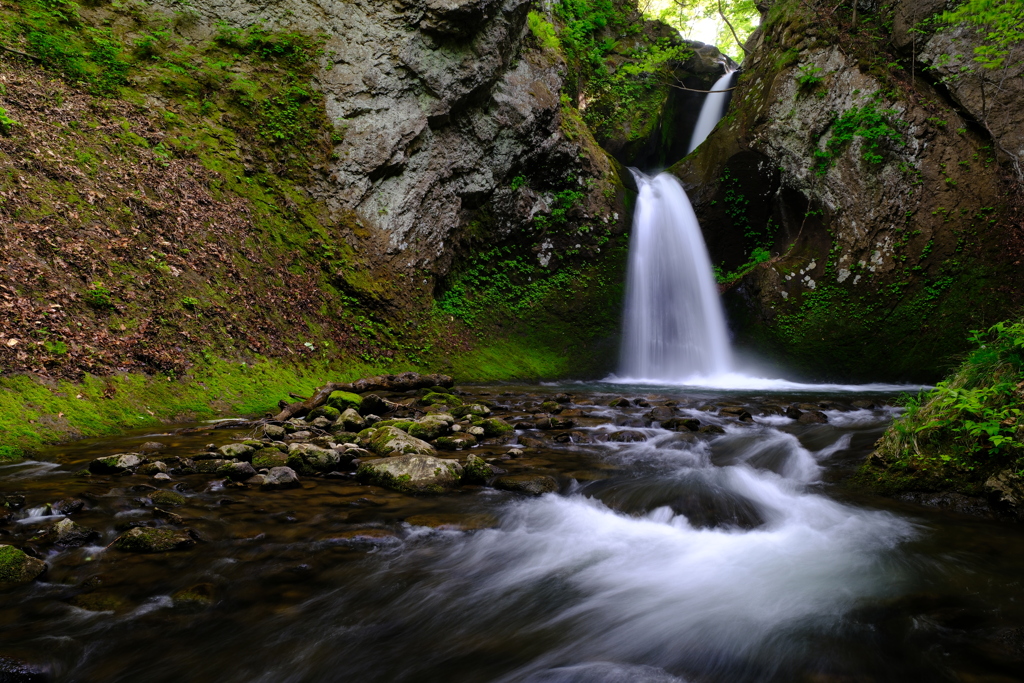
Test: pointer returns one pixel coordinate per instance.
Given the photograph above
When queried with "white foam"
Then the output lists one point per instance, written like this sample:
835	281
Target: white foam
734	381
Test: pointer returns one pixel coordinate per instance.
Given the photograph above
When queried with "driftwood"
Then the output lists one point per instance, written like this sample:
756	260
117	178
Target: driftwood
402	382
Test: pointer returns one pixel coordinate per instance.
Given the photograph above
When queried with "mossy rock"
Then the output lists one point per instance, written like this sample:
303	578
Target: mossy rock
550	406
532	484
149	540
351	420
308	459
404	425
388	440
100	601
474	409
194	598
429	428
495	426
434	398
166	497
269	457
329	412
342	436
412	473
456	442
16	567
476	471
343	400
122	463
242	451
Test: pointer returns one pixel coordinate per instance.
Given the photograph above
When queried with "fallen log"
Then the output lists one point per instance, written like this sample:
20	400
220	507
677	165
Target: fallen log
402	382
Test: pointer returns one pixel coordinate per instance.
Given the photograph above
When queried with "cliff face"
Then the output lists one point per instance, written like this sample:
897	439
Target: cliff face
866	215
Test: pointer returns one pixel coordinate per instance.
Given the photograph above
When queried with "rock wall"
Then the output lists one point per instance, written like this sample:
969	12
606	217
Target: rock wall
888	216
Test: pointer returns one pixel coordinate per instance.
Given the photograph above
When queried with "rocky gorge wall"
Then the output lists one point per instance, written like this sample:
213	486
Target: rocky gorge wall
207	206
863	207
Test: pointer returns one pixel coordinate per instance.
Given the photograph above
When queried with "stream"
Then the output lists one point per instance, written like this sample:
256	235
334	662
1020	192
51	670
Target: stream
664	556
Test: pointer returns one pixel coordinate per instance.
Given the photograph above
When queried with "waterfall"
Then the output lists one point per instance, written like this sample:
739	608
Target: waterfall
712	111
674	325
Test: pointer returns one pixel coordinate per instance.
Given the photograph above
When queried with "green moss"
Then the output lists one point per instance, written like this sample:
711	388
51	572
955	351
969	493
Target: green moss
267	458
330	412
11	562
435	398
343	400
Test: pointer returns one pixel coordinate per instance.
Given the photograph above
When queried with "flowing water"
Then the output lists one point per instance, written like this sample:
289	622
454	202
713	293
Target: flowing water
674	328
712	110
664	556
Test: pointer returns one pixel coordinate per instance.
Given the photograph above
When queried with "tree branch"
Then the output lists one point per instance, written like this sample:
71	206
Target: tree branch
721	13
38	60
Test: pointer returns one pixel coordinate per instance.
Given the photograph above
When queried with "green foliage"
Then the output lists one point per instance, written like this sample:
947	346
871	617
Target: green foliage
973	419
742	14
758	256
98	297
809	77
283	116
189	303
1000	22
7	124
562	203
543	30
518	182
873	126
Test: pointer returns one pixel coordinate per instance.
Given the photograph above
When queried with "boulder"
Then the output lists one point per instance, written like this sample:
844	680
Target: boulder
431	427
152	468
280	478
456	442
660	414
328	412
274	432
67	534
152	447
351	421
388	440
322	423
308	459
236	450
412	473
16	567
68	506
1005	489
435	398
343	400
122	463
405	381
495	426
532	484
474	409
711	429
209	466
476	471
266	458
167	497
150	540
619	402
679	424
812	417
237	471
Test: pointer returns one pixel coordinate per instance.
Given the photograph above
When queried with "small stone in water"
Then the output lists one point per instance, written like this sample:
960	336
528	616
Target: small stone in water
162	476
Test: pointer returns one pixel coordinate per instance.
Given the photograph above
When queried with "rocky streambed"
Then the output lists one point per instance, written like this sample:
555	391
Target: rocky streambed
569	533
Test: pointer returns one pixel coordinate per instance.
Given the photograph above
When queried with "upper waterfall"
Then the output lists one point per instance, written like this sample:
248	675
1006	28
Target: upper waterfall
711	111
674	324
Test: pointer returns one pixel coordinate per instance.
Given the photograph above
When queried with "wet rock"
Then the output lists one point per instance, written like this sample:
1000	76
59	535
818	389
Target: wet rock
256	481
171	517
352	421
269	457
237	471
474	409
532	484
322	423
388	440
122	463
659	414
167	497
12	502
153	468
711	429
431	427
864	404
619	402
67	534
209	466
515	453
162	476
738	412
435	398
563	398
570	412
273	432
1005	489
475	431
679	424
280	478
793	413
194	598
152	447
16	567
376	405
455	442
531	442
19	671
412	473
68	506
303	435
405	381
550	407
328	412
573	437
308	459
495	426
555	422
812	417
641	402
627	436
236	450
477	471
151	540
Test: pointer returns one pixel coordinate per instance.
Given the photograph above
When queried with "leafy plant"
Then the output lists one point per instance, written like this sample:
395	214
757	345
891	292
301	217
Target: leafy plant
7	124
190	303
543	30
1000	22
873	126
809	77
98	297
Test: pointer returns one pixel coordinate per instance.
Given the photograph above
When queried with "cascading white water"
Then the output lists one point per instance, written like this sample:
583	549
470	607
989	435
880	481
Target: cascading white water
712	111
674	327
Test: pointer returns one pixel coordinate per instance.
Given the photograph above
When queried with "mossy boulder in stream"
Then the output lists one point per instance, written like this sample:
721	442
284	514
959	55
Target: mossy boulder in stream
388	440
149	540
308	459
532	484
67	534
122	463
16	567
412	473
343	400
431	427
265	458
328	412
